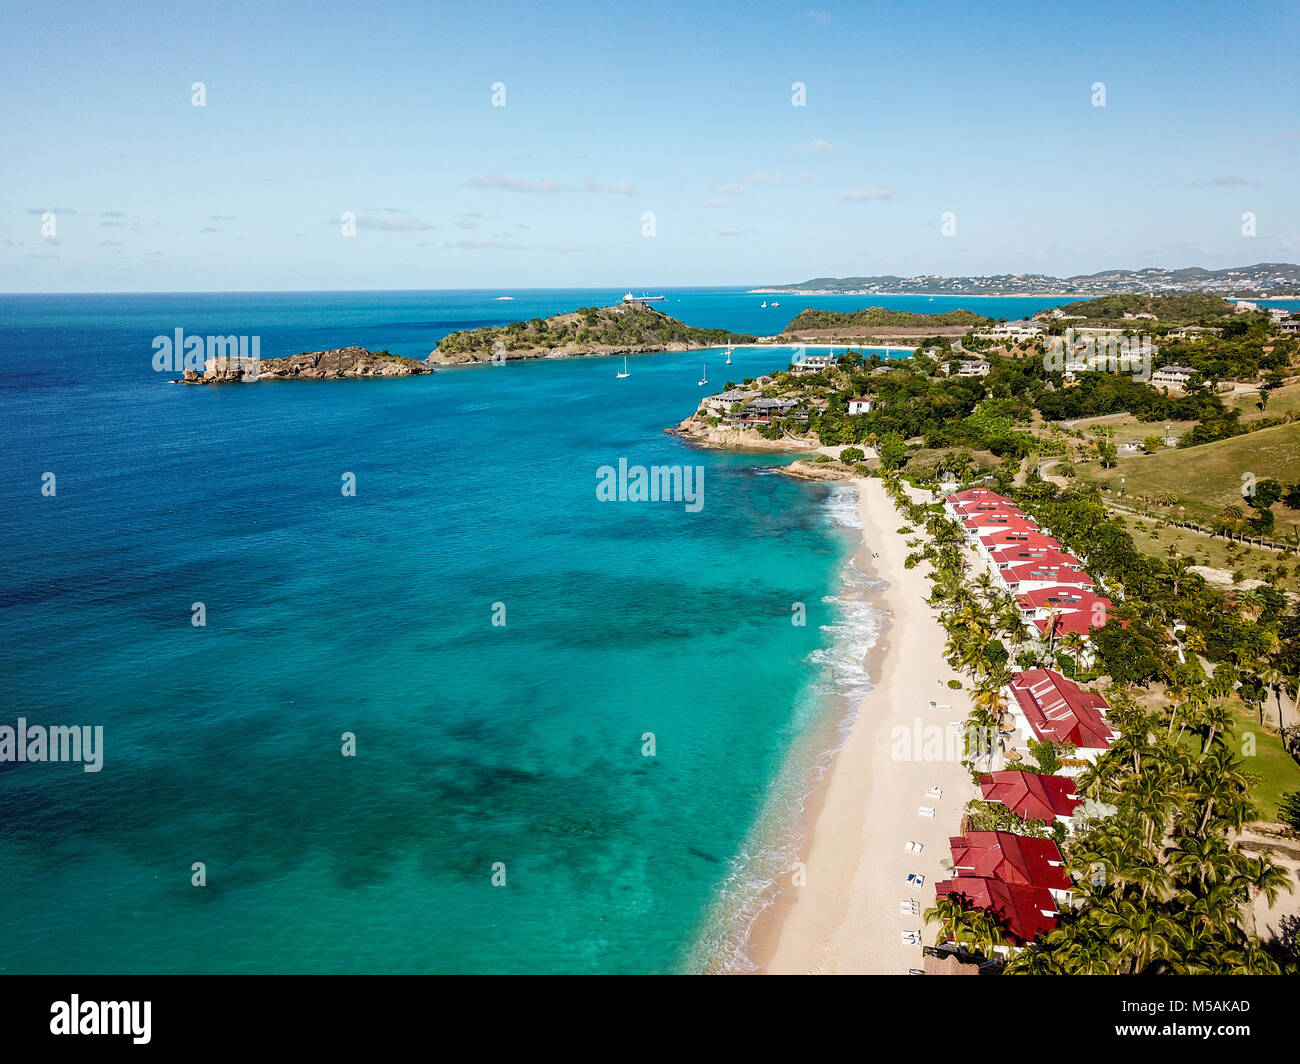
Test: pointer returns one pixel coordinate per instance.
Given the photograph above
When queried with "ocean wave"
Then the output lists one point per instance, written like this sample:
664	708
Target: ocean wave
824	721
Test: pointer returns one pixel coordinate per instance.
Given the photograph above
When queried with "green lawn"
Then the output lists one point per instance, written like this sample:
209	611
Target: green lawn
1207	478
1214	551
1279	770
1284	400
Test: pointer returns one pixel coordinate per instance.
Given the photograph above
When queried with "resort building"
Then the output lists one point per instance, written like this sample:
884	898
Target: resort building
1290	328
1015	859
1032	796
1053	709
1172	376
1040	604
1192	332
861	405
1025	912
1039	576
812	363
769	407
1014	330
1015	556
720	404
973	369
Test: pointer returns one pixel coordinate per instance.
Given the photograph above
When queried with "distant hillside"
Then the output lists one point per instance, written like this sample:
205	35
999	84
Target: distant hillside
1175	309
620	329
1264	278
879	317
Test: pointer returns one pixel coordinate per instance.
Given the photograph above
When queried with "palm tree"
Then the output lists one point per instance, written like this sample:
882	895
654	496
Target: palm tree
1273	679
1074	643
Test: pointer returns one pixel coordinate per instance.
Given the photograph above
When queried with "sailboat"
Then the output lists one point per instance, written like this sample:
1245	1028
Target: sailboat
705	378
763	305
625	373
728	356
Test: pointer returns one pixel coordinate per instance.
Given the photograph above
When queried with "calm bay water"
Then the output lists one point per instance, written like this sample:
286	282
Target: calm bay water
476	744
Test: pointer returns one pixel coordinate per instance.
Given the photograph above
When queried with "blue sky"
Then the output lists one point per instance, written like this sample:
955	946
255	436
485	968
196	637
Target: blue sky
912	110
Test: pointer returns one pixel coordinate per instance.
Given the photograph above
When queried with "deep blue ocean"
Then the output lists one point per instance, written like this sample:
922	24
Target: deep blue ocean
515	748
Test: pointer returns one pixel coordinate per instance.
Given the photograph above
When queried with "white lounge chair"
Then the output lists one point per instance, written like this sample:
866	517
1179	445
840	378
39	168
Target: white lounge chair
913	846
934	792
925	810
915	880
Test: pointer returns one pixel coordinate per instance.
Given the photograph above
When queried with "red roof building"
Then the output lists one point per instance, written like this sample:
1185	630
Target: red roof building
1031	795
1037	575
1061	599
1026	912
1010	858
972	496
1009	556
999	519
1024	539
1059	710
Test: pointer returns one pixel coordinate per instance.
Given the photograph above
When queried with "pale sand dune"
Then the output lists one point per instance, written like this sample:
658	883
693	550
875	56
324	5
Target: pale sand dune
847	918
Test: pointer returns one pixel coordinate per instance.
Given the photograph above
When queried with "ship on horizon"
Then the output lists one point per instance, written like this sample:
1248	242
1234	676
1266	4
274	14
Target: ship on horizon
643	298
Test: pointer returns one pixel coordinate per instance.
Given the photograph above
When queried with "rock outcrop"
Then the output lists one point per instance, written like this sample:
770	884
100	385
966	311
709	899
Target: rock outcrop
340	363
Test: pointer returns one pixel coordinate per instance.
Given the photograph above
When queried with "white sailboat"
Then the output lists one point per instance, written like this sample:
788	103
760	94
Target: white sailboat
728	356
775	304
705	378
625	373
763	305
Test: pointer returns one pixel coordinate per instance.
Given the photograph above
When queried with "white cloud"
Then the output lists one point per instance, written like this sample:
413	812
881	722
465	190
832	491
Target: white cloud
515	184
859	195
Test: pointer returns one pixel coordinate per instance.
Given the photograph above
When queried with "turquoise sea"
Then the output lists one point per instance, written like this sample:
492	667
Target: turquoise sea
478	746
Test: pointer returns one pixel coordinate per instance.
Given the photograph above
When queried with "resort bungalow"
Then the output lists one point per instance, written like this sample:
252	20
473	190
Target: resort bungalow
1042	603
1053	709
1032	796
1192	332
720	404
1025	912
812	363
1014	330
861	405
1038	576
991	541
1011	858
958	504
973	369
1290	328
1014	556
1172	376
769	408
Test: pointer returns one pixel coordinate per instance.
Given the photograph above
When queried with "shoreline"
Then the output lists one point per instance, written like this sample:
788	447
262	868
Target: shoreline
845	918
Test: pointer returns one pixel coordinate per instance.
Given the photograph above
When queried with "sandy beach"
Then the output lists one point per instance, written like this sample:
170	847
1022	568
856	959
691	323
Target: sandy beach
846	916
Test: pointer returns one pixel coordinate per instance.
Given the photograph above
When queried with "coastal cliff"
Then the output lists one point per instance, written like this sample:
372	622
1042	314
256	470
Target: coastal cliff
338	364
623	329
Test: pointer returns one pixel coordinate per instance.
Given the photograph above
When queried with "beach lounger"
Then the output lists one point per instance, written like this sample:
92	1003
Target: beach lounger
911	938
934	792
916	971
915	880
934	704
925	810
909	907
914	847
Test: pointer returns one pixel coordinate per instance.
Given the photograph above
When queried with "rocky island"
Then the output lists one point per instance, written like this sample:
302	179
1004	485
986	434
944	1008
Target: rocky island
338	364
625	329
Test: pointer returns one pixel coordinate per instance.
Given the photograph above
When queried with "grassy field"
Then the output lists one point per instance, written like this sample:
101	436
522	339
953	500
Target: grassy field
1214	551
1205	479
1278	769
1126	427
1284	400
